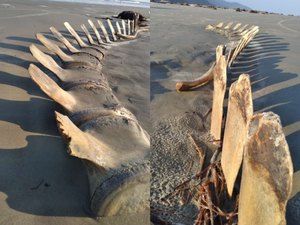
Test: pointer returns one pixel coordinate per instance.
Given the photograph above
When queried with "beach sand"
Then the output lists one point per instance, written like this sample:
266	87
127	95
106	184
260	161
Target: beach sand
181	49
39	182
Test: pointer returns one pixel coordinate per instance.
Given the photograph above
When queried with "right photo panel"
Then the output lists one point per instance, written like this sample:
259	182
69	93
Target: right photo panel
225	113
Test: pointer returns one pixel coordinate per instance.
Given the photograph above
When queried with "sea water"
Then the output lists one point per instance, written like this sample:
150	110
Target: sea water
135	3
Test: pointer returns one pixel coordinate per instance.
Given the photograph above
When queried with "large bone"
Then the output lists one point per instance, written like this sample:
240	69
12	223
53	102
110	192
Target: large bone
131	37
112	30
100	41
81	43
220	79
267	173
94	52
107	137
76	60
104	31
239	113
66	75
205	78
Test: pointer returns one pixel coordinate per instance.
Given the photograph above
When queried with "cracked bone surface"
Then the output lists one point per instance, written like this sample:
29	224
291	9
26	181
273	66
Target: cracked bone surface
239	113
220	79
98	130
267	173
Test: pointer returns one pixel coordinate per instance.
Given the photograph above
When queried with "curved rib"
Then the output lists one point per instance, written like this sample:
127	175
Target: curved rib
53	47
104	31
47	61
112	30
96	32
63	40
75	35
51	88
189	85
87	34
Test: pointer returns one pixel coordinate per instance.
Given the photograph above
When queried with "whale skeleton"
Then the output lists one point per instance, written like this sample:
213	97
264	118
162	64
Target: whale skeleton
236	46
252	142
97	128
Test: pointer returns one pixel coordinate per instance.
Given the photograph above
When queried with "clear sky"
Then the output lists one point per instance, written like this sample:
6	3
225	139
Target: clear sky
279	6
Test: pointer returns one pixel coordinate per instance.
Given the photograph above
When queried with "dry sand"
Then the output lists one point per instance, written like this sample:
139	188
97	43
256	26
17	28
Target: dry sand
181	48
39	182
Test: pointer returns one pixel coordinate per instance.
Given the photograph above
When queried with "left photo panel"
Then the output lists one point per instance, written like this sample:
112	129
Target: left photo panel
74	112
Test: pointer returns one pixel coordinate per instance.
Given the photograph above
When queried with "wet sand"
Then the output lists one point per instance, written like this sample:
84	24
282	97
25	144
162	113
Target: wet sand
181	49
39	182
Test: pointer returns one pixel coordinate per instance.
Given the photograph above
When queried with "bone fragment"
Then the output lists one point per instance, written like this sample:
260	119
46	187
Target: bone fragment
63	40
220	79
100	41
87	34
75	35
104	31
112	30
267	173
239	113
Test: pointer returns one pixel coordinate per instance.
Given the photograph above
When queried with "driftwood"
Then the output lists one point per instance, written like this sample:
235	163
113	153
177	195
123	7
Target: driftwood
239	113
267	173
97	128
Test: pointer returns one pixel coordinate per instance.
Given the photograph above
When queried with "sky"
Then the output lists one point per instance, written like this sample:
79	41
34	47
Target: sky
279	6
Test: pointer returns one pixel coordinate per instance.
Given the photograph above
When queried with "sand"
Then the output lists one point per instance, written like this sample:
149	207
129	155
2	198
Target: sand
181	48
39	182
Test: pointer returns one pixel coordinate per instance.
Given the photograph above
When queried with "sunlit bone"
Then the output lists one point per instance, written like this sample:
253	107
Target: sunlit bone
75	60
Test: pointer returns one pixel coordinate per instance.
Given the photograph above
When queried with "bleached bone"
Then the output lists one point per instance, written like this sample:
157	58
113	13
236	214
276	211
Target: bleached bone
267	173
228	26
243	43
112	144
111	29
64	75
63	40
205	78
131	37
129	28
89	50
104	31
75	35
219	25
124	28
236	26
76	60
220	79
239	114
87	34
100	41
118	27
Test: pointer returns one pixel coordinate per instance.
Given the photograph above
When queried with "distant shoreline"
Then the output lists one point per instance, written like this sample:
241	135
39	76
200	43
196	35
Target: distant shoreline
132	3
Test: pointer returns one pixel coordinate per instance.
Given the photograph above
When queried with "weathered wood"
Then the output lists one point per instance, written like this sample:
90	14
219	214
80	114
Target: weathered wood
239	113
267	173
220	79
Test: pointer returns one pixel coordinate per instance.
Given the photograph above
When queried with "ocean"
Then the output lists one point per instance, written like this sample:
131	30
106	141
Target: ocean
135	3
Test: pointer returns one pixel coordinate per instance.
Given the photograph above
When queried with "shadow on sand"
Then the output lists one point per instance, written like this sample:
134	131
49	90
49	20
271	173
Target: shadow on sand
39	178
